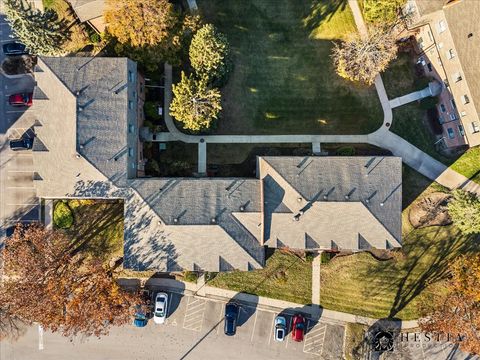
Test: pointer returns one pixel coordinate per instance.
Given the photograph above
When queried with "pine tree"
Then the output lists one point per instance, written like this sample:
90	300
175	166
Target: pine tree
195	104
210	54
464	210
42	32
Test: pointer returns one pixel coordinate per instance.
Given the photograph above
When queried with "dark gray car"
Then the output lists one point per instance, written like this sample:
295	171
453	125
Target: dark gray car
14	48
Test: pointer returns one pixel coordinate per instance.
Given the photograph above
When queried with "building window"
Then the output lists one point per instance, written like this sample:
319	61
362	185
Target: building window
130	104
451	133
131	129
450	54
475	127
440	120
420	43
133	165
457	77
429	67
453	104
460	130
134	94
442	26
443	108
131	76
130	152
465	99
453	117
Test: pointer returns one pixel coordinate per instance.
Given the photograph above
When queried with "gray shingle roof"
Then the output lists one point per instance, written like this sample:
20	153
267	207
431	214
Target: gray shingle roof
376	182
462	18
101	86
205	202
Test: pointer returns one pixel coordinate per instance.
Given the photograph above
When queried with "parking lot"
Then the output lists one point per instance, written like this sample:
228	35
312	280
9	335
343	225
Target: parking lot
254	330
18	199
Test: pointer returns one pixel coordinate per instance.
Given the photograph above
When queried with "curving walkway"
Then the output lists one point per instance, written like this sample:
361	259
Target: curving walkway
383	137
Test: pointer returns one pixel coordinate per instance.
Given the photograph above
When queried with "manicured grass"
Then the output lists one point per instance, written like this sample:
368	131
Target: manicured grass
97	230
469	164
410	124
283	80
285	277
400	78
360	284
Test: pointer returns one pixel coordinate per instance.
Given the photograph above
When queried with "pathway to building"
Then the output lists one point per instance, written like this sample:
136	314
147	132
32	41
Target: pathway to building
316	279
383	137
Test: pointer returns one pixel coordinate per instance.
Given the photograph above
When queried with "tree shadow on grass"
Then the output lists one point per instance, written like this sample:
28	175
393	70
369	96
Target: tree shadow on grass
321	10
428	253
95	227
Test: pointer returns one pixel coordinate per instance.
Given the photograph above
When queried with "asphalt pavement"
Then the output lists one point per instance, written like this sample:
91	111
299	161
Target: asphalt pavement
18	201
193	330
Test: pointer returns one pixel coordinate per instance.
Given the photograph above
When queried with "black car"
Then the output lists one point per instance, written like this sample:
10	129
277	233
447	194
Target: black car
21	144
14	48
231	314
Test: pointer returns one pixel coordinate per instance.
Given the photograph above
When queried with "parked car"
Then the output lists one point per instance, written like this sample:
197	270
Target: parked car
161	308
298	327
23	99
231	315
280	329
14	48
140	319
21	144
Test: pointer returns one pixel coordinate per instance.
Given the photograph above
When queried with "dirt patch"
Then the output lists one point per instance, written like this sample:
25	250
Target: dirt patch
430	211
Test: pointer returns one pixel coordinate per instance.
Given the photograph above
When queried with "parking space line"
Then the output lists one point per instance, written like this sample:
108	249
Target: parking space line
194	320
312	343
271	330
254	323
20	187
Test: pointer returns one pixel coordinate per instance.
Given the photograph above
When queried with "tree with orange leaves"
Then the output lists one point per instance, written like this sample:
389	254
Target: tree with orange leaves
456	309
45	283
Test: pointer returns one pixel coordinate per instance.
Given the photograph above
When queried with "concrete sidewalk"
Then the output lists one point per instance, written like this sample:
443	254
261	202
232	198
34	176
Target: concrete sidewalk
413	96
204	291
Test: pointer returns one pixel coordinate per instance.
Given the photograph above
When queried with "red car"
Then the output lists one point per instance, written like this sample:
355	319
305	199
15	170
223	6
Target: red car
24	99
298	327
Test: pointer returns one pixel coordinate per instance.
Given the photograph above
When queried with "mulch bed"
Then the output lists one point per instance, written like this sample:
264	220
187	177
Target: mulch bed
430	211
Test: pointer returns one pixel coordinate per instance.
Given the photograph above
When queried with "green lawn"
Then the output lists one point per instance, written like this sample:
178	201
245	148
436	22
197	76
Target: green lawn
469	164
285	277
97	228
283	80
360	284
410	124
400	78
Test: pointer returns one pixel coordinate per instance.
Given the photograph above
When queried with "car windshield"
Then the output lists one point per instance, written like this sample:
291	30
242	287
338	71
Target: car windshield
280	333
299	326
159	313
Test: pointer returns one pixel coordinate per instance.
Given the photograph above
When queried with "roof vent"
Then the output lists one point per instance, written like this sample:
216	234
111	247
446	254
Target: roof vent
80	108
242	208
213	220
175	220
296	217
347	197
325	197
469	35
367	201
299	199
381	204
78	155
